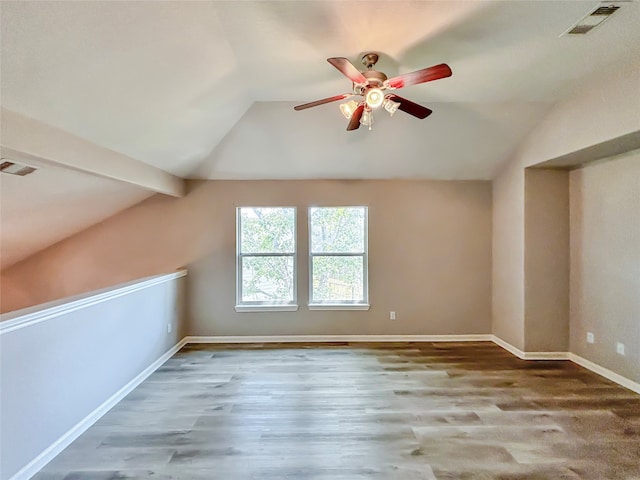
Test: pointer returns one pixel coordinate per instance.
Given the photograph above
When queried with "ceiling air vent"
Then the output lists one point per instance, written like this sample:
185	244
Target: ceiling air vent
592	20
15	168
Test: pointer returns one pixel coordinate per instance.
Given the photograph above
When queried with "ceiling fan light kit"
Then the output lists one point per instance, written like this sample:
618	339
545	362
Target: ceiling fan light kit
367	117
374	97
390	106
372	85
348	108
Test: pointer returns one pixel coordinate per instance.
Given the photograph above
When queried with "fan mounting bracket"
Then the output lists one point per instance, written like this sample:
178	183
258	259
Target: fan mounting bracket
369	60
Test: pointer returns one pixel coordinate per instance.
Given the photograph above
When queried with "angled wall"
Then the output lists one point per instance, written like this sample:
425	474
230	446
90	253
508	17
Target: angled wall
606	112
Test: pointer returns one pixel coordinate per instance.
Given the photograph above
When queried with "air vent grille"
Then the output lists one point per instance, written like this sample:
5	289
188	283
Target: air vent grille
580	29
592	20
15	168
608	10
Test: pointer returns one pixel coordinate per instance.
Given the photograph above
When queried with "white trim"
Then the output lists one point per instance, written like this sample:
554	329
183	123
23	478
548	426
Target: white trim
529	355
546	355
507	346
338	306
337	338
65	440
18	320
35	465
605	372
240	256
364	254
266	308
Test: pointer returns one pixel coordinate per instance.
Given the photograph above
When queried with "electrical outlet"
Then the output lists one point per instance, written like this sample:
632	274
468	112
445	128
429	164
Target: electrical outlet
590	337
392	315
168	328
620	348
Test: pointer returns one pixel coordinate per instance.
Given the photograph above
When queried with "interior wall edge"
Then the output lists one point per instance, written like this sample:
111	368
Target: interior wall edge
78	429
605	372
106	348
39	313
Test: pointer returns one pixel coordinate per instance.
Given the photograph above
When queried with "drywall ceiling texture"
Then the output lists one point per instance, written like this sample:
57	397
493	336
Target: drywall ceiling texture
53	203
168	82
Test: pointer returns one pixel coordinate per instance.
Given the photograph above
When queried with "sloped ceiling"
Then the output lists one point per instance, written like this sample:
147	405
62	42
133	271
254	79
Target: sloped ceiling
206	89
53	203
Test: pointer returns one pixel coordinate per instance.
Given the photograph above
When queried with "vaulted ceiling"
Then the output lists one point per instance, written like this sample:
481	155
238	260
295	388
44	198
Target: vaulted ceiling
206	89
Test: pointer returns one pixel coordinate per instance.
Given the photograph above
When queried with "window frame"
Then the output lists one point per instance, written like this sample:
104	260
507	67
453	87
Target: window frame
345	304
265	306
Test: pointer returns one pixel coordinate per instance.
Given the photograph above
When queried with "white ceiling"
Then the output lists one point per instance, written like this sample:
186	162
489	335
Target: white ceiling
206	88
53	203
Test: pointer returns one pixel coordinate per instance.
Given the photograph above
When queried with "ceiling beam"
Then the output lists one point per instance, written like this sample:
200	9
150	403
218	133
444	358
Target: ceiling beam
24	138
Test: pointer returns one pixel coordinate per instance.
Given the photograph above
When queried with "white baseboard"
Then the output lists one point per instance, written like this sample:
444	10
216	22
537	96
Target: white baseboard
54	449
625	382
529	355
35	465
338	338
605	372
507	346
583	362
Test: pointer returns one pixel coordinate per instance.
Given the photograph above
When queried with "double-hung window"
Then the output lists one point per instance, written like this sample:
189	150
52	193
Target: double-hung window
266	258
338	258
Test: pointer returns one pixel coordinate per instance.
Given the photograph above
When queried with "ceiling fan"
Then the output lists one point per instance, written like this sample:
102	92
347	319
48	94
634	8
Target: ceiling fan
372	85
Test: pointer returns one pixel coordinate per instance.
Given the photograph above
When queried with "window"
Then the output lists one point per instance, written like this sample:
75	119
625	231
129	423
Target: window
266	259
338	258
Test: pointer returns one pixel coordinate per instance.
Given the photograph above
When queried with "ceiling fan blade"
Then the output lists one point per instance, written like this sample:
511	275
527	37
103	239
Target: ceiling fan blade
323	101
420	76
354	123
411	108
348	69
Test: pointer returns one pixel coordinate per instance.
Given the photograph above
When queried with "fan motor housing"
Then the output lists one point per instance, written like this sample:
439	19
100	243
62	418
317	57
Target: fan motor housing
374	78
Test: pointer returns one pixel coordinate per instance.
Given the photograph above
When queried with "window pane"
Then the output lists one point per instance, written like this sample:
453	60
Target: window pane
267	230
337	279
267	279
337	230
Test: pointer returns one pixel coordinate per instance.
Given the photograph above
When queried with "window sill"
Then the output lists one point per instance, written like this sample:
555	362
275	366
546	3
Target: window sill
266	308
339	306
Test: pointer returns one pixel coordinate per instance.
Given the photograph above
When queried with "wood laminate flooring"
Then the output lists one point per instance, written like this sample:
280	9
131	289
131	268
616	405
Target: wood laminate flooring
406	411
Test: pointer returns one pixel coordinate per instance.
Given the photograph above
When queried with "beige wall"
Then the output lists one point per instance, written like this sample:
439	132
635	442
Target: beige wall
508	256
546	260
135	243
429	259
608	109
605	263
429	248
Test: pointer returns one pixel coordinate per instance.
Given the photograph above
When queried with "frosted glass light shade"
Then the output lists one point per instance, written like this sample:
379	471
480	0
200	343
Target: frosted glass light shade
374	97
367	118
348	108
391	106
